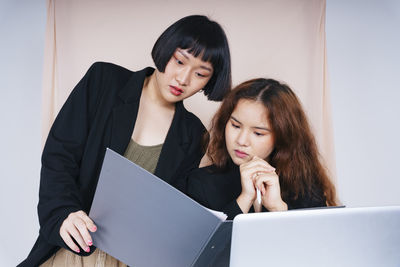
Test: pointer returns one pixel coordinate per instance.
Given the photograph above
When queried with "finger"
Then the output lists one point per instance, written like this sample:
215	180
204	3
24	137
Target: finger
260	180
251	170
81	226
68	240
260	160
89	223
264	164
258	164
247	163
73	231
258	171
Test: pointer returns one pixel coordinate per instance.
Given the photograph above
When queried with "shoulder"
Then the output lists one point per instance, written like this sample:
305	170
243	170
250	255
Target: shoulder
202	173
107	70
109	80
211	174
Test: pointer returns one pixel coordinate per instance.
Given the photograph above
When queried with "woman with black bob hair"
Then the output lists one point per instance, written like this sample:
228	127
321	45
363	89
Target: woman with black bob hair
206	40
137	114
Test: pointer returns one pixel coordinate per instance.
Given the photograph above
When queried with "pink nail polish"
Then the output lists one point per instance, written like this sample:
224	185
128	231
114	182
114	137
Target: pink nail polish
78	250
87	249
94	228
90	243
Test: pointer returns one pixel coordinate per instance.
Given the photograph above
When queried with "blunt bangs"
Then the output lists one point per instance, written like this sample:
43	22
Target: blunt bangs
201	37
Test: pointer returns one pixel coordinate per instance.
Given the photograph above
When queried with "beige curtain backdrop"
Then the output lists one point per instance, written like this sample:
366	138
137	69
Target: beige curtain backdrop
281	39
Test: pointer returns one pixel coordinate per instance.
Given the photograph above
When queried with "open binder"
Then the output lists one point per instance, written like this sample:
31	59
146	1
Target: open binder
144	221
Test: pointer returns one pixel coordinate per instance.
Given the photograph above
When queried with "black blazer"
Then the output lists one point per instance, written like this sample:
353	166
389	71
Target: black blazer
218	190
100	112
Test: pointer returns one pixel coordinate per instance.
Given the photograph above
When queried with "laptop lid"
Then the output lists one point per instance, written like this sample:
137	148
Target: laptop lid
318	237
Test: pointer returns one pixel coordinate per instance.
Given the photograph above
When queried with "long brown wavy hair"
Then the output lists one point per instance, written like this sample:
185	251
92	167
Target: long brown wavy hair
295	155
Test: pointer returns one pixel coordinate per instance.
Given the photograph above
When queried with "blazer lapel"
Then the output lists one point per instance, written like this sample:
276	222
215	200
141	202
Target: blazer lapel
125	114
174	148
123	122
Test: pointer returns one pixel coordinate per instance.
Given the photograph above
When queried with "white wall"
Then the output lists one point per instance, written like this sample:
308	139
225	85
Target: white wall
364	64
22	26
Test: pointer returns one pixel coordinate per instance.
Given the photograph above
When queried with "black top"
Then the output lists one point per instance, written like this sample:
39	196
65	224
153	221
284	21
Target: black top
218	190
100	112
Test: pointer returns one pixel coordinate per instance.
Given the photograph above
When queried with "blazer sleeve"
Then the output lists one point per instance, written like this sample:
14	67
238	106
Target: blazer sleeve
59	182
193	156
195	151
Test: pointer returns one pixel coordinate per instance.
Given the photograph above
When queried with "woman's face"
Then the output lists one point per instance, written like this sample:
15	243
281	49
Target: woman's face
184	76
248	132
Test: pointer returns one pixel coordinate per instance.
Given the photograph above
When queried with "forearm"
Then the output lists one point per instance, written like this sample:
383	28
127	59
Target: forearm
244	202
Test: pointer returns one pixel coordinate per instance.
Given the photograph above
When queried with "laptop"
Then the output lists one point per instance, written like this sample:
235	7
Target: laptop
344	237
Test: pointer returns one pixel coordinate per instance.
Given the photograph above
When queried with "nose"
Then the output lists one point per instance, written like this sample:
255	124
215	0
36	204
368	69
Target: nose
183	76
242	138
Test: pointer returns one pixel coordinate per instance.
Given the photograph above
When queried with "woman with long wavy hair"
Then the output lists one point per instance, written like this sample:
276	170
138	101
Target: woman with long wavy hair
260	139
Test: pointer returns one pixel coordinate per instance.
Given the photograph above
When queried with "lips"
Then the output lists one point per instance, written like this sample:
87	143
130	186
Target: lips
240	154
175	90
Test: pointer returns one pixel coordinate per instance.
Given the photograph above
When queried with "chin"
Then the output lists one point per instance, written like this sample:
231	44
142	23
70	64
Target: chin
171	99
238	161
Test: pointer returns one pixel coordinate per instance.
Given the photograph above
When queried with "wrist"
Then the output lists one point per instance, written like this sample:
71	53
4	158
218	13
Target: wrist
281	206
248	197
244	201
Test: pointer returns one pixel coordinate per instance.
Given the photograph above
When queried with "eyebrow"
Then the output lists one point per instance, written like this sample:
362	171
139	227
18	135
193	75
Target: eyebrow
186	56
255	127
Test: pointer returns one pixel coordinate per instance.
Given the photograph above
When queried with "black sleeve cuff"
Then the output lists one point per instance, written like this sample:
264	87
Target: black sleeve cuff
232	209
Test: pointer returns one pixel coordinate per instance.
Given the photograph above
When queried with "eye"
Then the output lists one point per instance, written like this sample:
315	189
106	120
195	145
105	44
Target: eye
258	134
235	125
178	61
201	75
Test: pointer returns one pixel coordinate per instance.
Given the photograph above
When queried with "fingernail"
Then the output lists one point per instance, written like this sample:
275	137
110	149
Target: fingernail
78	250
94	228
90	243
87	249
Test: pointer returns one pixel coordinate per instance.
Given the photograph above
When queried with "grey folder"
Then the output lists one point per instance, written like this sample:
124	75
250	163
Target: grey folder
145	222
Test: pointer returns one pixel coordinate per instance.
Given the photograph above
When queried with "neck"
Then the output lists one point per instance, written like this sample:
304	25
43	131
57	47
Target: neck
152	92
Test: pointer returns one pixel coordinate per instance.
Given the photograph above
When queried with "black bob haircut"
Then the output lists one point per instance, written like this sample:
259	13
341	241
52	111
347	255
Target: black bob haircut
200	36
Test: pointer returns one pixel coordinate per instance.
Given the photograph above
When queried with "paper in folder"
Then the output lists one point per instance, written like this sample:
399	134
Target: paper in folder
145	222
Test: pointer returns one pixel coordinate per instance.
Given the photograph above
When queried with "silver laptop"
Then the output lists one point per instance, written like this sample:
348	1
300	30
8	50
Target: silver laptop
318	237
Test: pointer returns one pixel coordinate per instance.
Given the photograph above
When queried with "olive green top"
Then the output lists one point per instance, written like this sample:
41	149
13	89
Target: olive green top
144	156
